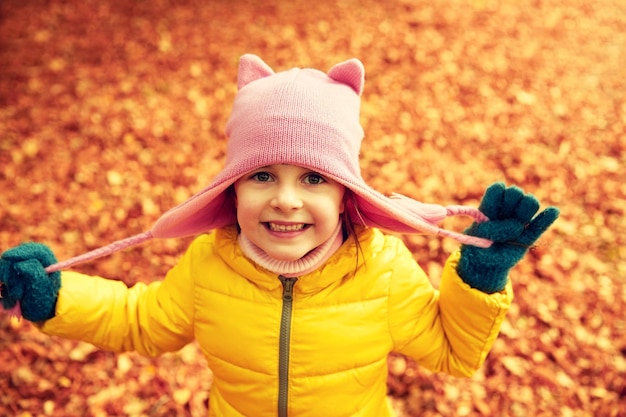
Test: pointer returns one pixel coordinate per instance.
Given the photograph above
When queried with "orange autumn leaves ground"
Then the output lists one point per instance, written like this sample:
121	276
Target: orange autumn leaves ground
112	112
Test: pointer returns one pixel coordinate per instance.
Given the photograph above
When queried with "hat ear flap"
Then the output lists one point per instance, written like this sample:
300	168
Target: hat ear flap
351	73
251	68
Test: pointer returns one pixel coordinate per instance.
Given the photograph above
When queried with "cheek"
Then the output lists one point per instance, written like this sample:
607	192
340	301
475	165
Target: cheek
331	203
248	210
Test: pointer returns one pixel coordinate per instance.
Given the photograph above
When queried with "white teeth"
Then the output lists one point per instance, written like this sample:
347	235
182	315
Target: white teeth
286	227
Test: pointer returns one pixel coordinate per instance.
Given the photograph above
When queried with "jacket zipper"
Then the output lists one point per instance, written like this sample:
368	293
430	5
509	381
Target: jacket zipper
283	350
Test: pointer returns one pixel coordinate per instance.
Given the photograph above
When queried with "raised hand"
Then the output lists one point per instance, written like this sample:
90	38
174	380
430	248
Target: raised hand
513	228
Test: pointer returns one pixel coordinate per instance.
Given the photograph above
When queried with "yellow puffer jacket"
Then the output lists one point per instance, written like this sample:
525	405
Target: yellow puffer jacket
315	346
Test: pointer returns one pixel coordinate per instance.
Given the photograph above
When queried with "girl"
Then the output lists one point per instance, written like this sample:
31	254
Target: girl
294	293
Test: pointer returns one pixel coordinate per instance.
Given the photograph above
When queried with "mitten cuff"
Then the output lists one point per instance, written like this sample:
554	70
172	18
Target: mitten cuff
483	276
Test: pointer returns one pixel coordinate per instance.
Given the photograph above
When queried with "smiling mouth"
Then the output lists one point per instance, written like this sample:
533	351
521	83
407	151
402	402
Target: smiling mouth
286	227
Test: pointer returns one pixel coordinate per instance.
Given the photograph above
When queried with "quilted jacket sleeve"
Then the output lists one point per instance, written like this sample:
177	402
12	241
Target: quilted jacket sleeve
147	318
448	330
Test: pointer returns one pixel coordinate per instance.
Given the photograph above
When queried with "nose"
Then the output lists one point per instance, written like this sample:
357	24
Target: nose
286	198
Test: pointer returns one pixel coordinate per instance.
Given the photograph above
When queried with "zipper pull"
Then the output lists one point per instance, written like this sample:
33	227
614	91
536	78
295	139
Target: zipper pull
288	284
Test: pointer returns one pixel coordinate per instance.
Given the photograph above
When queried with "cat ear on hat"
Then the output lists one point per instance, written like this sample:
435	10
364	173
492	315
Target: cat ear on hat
252	68
351	73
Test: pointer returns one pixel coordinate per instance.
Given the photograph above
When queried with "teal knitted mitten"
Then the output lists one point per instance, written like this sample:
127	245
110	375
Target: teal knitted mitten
513	228
25	285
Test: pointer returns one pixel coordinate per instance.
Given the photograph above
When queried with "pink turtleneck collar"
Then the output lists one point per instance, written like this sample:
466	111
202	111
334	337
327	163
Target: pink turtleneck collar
308	263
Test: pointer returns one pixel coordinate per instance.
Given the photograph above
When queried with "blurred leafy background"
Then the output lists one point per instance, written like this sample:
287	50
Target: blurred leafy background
113	111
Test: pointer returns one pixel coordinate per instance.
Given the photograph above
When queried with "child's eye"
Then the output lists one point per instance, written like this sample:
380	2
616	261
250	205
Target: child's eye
262	177
314	179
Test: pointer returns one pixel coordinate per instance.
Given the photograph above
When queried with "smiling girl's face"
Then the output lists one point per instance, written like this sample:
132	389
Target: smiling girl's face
288	210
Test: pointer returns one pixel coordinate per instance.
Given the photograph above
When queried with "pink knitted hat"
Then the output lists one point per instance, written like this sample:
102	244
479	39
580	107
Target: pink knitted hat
298	117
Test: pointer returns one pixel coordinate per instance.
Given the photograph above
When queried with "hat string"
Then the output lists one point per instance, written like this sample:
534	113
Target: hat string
472	212
100	252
